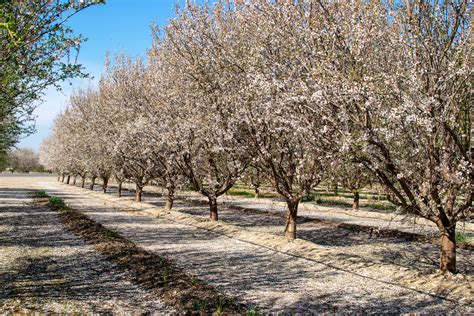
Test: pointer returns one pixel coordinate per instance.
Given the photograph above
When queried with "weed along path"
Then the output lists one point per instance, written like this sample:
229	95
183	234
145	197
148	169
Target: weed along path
46	269
264	270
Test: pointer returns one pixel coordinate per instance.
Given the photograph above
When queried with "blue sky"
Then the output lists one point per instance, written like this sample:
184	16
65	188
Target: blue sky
119	25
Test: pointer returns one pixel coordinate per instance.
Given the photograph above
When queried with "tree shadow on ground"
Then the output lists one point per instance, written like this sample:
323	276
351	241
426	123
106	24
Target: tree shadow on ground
422	256
46	266
258	273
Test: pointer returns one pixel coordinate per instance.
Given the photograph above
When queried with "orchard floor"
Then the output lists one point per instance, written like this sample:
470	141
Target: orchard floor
329	270
46	269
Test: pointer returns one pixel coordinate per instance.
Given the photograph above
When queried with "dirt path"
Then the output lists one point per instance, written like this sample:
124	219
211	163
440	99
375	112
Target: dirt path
45	269
277	278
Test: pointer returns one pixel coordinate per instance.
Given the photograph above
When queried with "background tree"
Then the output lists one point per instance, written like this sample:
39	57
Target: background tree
353	176
24	160
37	50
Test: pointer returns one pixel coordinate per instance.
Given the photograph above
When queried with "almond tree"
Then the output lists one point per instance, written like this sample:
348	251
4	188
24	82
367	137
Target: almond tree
279	63
124	102
96	154
353	176
403	75
204	132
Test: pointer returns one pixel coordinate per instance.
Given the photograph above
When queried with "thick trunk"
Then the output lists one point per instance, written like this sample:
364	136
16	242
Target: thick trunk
213	208
355	203
138	193
119	189
169	197
74	180
105	182
68	179
83	181
92	183
448	251
291	213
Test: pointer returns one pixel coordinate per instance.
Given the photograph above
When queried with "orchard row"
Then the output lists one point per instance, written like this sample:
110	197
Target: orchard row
293	90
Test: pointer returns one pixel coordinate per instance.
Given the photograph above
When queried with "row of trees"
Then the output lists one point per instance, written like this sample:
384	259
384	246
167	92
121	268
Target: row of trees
22	160
292	90
37	50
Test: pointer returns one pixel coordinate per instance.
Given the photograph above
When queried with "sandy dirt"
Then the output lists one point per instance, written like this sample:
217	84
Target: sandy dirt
46	269
251	261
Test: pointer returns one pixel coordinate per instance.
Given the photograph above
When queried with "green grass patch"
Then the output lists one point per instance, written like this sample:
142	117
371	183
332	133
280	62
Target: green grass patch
251	193
310	198
41	194
57	203
320	201
462	238
254	312
381	207
316	198
348	195
237	192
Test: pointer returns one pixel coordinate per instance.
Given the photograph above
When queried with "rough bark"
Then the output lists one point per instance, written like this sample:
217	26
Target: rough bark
119	189
92	183
138	193
291	213
169	197
257	192
355	203
213	208
105	182
448	251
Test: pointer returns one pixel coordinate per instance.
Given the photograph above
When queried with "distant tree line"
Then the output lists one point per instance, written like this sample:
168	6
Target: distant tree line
22	160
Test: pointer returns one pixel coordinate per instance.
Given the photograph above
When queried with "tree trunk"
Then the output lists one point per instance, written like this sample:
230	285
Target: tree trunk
257	192
74	180
68	178
59	177
169	196
105	182
92	183
62	178
119	189
138	193
336	189
290	227
213	208
448	251
355	203
83	181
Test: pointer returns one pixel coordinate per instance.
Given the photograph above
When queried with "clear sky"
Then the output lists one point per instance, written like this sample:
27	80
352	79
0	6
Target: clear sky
119	25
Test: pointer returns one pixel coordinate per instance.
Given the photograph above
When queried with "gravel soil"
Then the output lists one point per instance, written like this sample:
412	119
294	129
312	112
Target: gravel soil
332	270
46	269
